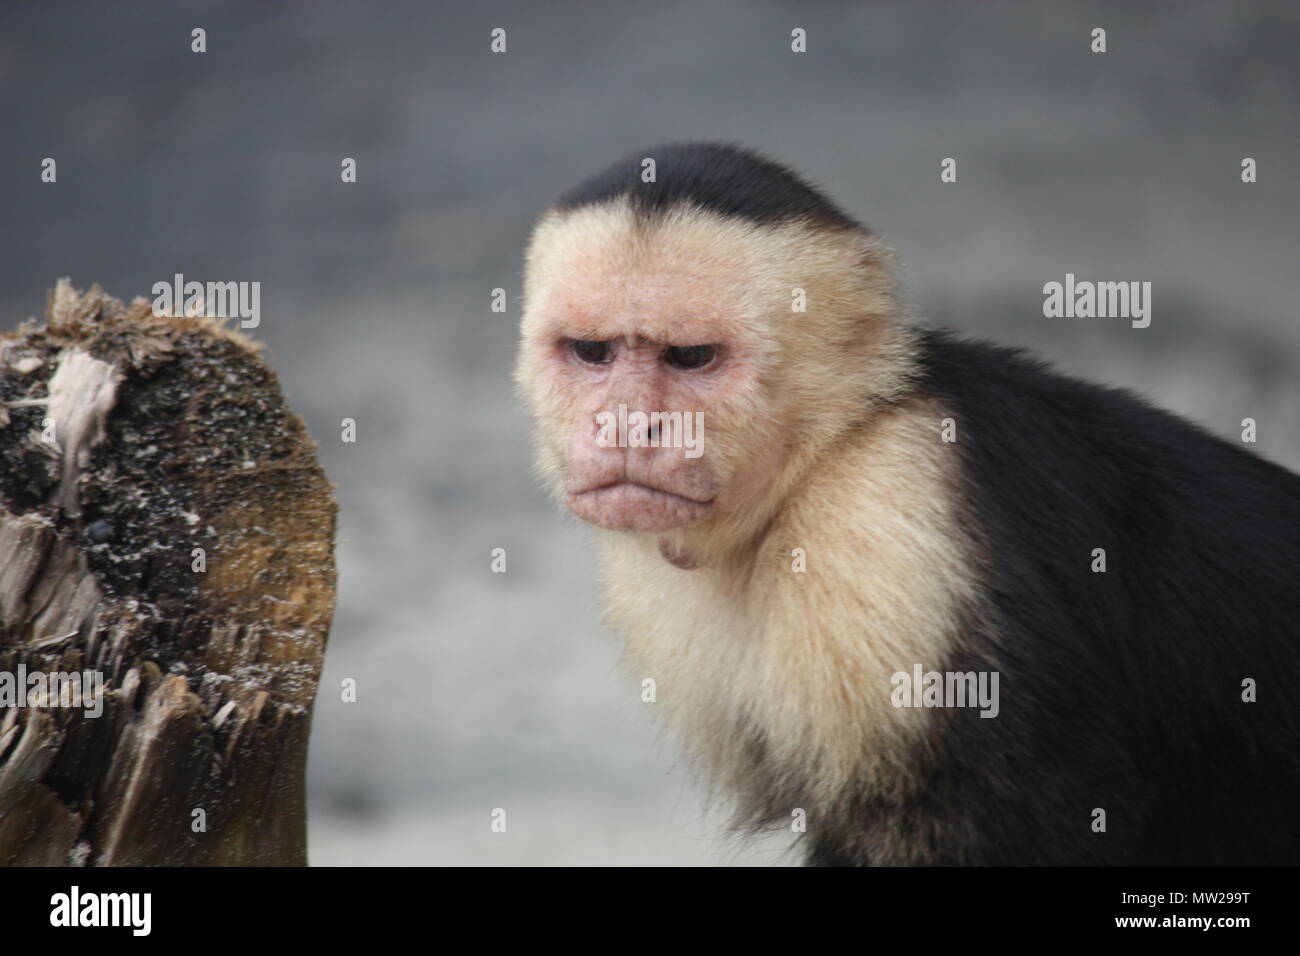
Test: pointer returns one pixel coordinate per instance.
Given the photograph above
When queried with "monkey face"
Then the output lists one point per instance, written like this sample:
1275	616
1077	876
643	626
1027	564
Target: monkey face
635	391
635	456
670	378
638	361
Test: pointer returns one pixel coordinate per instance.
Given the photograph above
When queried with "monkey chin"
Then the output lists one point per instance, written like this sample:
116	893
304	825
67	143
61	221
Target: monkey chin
628	506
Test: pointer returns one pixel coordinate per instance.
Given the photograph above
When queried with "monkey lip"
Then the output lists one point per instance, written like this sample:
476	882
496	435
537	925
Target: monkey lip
630	506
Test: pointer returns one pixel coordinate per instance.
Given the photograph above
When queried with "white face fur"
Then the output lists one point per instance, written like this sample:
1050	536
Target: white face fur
690	314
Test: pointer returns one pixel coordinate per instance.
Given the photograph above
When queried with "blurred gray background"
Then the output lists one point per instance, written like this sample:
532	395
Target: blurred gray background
481	690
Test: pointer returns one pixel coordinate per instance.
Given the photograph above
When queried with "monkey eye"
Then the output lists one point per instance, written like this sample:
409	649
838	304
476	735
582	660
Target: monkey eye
689	356
594	353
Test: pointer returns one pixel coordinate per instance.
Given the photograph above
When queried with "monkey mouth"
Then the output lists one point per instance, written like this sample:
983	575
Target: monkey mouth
624	505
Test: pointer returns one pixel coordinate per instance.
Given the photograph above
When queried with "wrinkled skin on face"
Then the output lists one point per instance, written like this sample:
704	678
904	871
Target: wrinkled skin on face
688	317
624	483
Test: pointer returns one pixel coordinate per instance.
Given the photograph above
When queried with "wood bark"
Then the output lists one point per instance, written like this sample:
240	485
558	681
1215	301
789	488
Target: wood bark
165	524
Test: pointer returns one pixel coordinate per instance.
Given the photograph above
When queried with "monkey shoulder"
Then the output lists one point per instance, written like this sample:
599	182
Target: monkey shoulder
1112	523
1032	439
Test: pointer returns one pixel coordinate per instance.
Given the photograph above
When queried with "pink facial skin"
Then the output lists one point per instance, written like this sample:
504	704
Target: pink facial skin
642	489
639	318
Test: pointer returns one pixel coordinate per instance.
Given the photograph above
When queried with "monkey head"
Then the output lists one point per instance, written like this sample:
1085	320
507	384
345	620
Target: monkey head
683	361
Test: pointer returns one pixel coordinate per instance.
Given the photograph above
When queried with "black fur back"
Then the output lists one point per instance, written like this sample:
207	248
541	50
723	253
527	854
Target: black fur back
1119	690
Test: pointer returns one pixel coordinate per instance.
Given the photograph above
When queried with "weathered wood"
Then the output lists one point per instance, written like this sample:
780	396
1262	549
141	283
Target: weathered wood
164	523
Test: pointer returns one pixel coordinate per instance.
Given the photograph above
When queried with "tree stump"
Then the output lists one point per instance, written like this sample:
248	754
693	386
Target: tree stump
165	524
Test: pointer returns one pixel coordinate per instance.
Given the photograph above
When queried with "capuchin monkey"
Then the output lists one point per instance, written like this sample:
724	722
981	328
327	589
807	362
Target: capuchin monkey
1108	596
